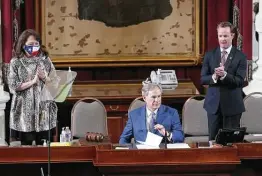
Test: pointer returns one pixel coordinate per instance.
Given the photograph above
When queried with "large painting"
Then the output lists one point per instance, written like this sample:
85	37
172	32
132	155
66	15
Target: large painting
122	32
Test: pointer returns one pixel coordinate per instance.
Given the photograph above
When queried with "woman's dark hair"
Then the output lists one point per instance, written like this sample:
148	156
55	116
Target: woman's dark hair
256	8
18	46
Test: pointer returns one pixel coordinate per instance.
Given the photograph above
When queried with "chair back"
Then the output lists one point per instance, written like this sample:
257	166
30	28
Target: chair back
88	115
136	103
252	117
194	117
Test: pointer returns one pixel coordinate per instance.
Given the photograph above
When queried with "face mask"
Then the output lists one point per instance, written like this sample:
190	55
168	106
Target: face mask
32	50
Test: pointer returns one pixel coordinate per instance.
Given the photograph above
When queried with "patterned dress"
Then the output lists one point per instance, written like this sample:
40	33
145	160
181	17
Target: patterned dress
29	112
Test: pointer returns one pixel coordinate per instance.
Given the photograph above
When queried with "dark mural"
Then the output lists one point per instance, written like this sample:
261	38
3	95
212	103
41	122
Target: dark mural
122	13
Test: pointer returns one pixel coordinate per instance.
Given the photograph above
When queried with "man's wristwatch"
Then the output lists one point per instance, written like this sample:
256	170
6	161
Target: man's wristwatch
168	134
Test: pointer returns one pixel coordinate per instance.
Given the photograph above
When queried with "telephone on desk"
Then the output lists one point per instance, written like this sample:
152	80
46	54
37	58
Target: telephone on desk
167	78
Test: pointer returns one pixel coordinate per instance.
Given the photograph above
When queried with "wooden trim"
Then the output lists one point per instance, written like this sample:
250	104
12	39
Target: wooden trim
102	154
43	20
37	16
249	151
40	154
203	28
125	62
107	91
198	29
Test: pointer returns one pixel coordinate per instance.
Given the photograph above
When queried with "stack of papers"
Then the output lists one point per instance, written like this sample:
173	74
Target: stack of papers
256	142
142	146
257	134
177	146
152	142
121	148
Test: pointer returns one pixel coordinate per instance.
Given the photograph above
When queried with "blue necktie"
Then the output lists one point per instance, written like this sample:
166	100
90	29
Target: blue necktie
152	122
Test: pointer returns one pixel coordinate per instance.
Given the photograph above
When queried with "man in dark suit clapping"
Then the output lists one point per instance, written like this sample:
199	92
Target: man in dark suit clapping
224	71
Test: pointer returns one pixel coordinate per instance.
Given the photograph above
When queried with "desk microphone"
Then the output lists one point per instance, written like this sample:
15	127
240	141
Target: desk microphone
42	172
165	139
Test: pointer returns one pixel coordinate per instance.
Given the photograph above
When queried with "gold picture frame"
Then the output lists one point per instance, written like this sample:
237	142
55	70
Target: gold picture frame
78	60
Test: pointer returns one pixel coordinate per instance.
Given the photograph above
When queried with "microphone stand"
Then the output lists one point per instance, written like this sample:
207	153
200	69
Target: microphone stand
49	149
58	98
165	139
49	140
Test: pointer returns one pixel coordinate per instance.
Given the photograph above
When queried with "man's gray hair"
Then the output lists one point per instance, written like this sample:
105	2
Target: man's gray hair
150	86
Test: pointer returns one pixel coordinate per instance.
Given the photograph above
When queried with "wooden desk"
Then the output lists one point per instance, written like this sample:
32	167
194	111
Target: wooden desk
250	155
11	155
249	151
211	161
103	160
241	160
117	96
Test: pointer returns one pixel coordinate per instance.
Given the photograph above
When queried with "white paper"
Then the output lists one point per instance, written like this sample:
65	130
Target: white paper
121	148
257	134
142	146
257	142
204	147
177	146
152	140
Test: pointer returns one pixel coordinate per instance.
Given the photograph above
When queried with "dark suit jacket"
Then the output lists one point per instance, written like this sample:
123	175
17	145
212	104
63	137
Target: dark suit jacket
136	124
226	92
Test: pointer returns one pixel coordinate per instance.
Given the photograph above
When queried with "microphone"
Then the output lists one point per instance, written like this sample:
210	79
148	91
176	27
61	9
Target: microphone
42	172
48	147
165	139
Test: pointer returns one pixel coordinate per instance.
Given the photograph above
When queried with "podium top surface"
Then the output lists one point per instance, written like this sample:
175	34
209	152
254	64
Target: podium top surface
126	90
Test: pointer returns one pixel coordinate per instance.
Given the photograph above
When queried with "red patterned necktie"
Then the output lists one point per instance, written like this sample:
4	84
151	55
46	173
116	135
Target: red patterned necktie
223	57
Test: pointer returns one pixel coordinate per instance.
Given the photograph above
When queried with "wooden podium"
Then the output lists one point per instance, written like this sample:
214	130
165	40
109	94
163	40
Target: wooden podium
102	159
189	162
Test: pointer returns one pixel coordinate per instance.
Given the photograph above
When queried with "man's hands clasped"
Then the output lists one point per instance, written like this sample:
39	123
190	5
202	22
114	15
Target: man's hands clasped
219	72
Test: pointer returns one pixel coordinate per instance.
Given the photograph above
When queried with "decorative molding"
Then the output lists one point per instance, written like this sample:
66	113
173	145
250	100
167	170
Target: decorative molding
5	72
236	23
249	70
16	8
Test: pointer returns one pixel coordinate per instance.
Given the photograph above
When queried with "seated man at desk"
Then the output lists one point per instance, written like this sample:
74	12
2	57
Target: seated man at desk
154	117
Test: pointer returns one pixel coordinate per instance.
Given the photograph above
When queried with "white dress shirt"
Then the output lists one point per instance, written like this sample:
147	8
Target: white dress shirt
148	119
149	116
